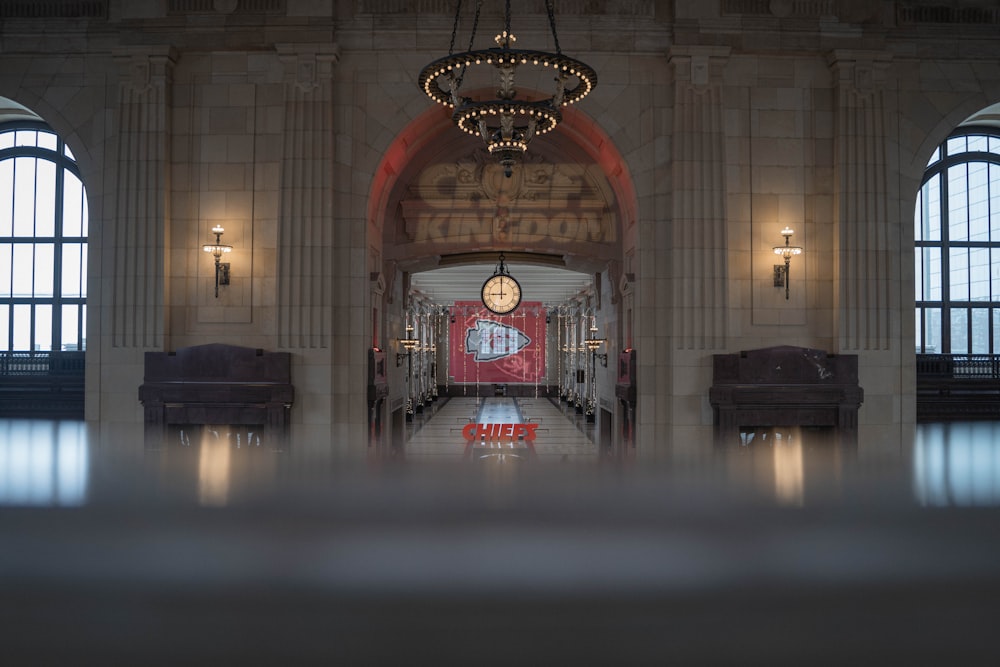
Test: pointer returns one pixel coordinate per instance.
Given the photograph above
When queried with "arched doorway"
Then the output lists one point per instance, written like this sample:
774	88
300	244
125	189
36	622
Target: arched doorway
443	211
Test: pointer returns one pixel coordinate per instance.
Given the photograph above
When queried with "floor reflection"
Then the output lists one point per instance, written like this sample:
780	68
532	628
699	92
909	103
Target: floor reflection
957	464
788	473
50	463
213	470
43	462
209	548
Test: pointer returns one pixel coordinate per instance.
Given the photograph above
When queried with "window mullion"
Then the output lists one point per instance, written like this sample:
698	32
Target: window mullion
945	266
57	253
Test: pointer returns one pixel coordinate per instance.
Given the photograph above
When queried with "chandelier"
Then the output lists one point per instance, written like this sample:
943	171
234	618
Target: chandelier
506	124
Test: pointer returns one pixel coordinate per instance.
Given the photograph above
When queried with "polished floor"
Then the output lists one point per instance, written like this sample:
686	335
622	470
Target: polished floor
216	549
562	436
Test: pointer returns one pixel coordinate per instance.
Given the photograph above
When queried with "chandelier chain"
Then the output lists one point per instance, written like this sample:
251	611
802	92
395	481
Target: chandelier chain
454	27
507	21
472	38
552	22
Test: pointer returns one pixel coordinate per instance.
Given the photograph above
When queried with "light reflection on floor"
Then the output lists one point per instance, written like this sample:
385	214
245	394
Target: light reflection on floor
119	553
43	462
48	463
957	464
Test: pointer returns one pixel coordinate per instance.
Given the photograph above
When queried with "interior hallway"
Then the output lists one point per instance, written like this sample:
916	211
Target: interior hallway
561	435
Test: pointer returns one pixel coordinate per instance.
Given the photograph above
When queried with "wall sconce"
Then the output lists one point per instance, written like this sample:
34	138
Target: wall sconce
409	344
786	251
218	249
593	343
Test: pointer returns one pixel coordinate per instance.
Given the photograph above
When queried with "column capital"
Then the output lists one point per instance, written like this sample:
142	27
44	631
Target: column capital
142	67
698	65
861	70
308	65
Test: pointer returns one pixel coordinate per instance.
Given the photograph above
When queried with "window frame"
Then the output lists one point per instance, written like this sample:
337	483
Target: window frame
63	163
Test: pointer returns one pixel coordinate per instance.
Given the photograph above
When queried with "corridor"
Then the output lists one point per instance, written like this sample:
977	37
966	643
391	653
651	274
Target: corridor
561	436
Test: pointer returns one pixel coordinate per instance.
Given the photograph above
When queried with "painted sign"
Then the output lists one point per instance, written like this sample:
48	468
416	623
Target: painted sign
500	432
488	348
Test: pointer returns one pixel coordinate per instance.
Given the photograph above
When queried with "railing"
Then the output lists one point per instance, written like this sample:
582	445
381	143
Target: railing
42	384
958	366
958	387
42	363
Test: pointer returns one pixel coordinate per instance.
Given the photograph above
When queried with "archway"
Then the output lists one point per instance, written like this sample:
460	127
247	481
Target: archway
439	202
43	269
957	288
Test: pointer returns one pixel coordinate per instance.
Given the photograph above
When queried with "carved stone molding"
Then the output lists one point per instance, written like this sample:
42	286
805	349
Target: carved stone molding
175	7
308	69
698	66
142	68
642	8
55	9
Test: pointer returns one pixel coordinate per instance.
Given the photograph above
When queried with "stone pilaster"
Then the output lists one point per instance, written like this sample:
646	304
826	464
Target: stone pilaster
306	202
865	259
699	247
141	190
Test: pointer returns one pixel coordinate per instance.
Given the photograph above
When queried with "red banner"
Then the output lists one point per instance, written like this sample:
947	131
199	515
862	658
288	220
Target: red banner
497	348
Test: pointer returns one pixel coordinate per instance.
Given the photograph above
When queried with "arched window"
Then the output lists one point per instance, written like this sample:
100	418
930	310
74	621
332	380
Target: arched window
957	236
43	242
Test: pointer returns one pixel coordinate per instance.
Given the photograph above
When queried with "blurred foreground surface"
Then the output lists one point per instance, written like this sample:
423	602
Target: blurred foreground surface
213	553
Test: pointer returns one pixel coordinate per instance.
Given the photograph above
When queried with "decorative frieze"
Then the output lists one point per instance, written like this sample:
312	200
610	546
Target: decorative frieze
226	7
780	8
910	13
54	9
644	8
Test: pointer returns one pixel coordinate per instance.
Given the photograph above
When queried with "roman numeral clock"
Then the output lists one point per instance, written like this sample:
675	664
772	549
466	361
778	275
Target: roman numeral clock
501	292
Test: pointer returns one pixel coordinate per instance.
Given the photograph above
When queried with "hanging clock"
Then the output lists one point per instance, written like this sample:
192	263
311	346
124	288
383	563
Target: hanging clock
501	292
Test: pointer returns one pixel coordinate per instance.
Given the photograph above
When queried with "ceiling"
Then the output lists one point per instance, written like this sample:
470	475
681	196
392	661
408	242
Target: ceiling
551	286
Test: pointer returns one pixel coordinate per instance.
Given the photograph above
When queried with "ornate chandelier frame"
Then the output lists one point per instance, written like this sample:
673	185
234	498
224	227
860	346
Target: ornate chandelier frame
505	124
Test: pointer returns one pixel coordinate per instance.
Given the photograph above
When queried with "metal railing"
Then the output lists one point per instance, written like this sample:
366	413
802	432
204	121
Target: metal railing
42	363
958	366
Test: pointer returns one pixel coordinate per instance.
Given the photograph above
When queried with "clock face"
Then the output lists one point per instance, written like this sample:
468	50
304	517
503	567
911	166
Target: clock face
501	294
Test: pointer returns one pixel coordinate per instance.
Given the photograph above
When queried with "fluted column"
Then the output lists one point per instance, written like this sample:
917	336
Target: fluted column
141	194
699	245
306	208
863	242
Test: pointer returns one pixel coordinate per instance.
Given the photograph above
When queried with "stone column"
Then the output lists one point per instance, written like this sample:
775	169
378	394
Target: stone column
306	202
306	223
141	194
699	248
697	255
867	247
866	242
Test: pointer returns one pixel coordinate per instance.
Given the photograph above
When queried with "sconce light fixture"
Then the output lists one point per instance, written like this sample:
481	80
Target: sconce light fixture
593	343
409	344
218	249
786	251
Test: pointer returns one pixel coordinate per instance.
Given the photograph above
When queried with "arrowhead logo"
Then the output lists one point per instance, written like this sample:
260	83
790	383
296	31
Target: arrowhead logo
491	340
